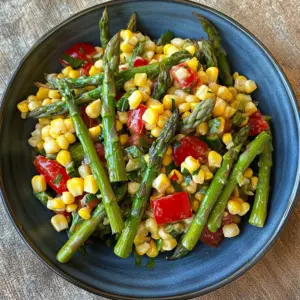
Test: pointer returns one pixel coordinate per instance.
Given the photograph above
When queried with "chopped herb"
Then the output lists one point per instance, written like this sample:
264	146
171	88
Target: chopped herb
196	171
173	104
176	186
185	172
214	125
138	259
75	63
150	263
159	244
58	179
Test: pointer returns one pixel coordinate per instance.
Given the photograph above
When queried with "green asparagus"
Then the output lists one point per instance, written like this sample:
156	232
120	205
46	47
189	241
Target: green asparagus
162	83
113	152
137	51
192	236
253	149
132	22
124	245
104	31
43	197
209	55
165	38
108	196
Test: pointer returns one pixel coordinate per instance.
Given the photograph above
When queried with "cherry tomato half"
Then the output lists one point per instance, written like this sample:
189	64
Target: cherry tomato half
139	62
184	76
135	122
212	239
258	123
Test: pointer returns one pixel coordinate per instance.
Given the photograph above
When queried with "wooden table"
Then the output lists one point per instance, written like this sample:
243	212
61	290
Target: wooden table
276	24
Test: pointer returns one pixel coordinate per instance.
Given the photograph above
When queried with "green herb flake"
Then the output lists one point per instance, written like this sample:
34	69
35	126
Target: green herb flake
150	263
138	259
58	179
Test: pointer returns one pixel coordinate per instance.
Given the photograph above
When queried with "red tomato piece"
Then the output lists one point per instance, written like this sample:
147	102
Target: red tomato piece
228	218
184	76
89	122
139	62
171	208
85	70
135	122
212	239
100	151
55	174
139	140
174	177
257	123
190	146
92	204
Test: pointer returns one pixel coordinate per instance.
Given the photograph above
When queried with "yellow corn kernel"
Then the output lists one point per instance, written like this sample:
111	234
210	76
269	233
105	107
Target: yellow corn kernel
93	110
140	238
84	213
193	63
214	87
155	132
156	105
119	125
254	182
177	42
167	113
185	115
94	71
212	74
75	186
171	90
170	190
51	147
60	75
203	77
142	248
74	74
67	198
123	117
129	85
199	177
123	138
44	121
70	137
66	71
32	98
233	92
140	79
248	173
149	55
42	93
184	107
181	96
239	83
149	126
234	207
179	176
161	183
245	207
222	124
159	49
243	97
228	112
167	159
23	106
47	101
58	127
207	173
199	196
235	75
170	49
45	132
191	49
125	57
135	99
56	203
99	65
59	222
227	138
214	159
219	107
250	108
69	124
84	171
169	244
202	128
153	251
192	99
34	105
54	94
71	208
162	121
95	132
40	145
167	101
126	47
224	93
64	158
38	183
150	116
126	34
231	230
191	164
133	187
235	104
195	205
204	92
250	86
63	142
90	184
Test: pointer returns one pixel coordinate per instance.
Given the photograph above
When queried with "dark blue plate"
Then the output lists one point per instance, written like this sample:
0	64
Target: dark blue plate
100	271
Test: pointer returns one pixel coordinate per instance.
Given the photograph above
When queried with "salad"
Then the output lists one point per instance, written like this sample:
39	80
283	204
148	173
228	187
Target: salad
149	145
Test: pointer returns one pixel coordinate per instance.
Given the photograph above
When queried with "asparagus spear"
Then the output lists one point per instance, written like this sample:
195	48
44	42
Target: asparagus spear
137	51
192	236
215	40
60	107
132	22
209	55
103	26
108	197
43	197
162	83
254	149
165	38
113	152
124	245
200	114
259	209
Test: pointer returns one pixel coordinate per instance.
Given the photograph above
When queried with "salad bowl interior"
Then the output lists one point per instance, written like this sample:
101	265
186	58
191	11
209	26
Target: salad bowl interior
100	271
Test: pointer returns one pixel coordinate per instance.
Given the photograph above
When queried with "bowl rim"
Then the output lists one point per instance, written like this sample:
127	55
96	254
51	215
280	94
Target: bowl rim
291	202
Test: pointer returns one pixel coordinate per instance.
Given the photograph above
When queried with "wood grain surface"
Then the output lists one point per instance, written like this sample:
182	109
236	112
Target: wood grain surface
276	23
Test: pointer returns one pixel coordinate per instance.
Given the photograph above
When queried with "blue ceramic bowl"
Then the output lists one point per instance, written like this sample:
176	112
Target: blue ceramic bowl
100	271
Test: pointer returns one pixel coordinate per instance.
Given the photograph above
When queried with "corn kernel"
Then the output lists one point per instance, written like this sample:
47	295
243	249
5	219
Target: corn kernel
90	184
231	230
235	75
199	196
67	198
214	87
142	248
149	55
248	173
169	244
126	47
192	99
46	101
75	186
176	174
245	207
84	213
149	126
207	173
66	71
219	107
193	64
195	205
71	208
94	71
185	115
93	110
250	108
192	164
42	93
177	42
70	137
170	190
54	204
95	132
168	100
38	183
140	79
156	105
64	158
229	112
184	107
40	145
54	94
125	57
250	86
212	74
254	182
170	49
119	125
126	34
84	171
123	138
129	85
167	113
23	106
167	159
162	121
133	187
69	125
202	128
239	83
58	127
191	49
122	116
34	105
199	177
234	207
135	99
153	251
224	93
161	183
150	116
243	97
227	138
233	92
204	93
159	49
45	132
181	96
155	132
214	159
203	77
51	147
59	222
74	74
63	142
